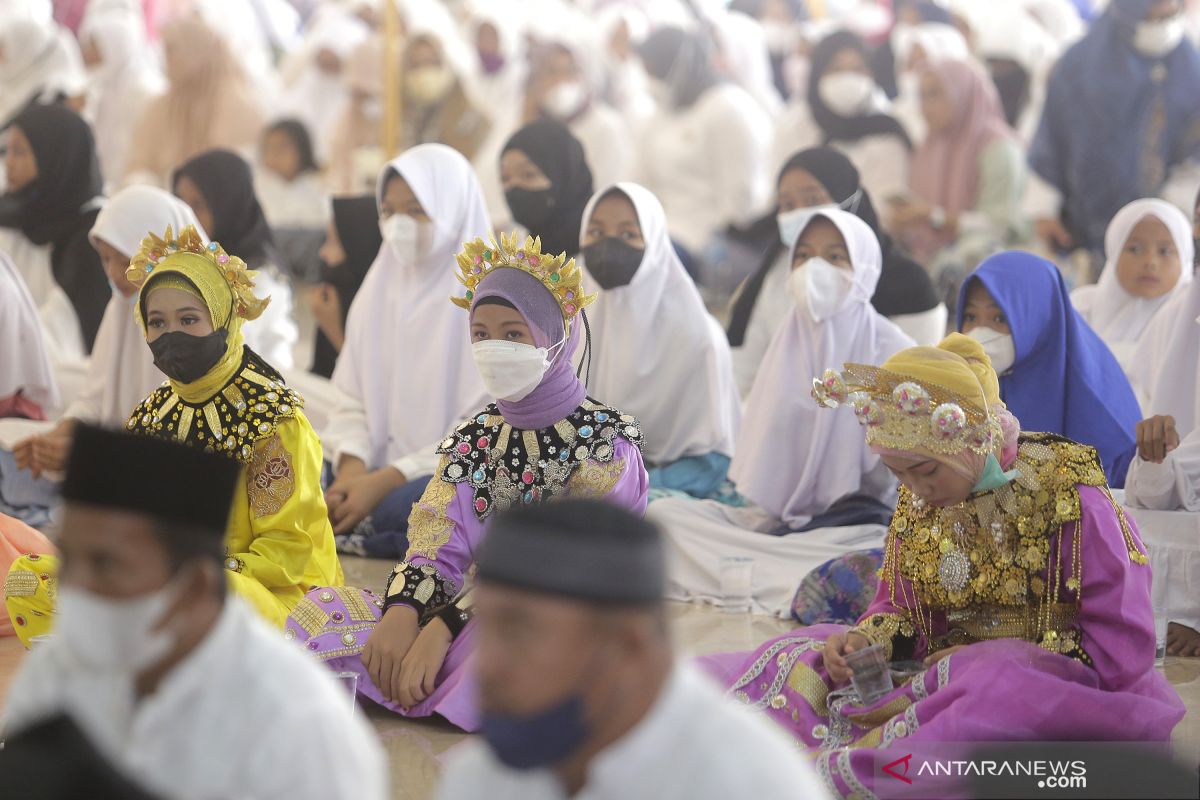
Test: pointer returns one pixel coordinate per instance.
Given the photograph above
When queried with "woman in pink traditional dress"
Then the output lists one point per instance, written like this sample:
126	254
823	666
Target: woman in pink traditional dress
1010	576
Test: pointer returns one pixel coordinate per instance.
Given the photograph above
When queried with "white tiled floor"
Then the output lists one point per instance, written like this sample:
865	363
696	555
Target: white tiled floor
415	747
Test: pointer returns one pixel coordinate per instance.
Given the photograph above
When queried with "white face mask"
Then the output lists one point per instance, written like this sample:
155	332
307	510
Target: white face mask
115	635
820	288
511	370
407	238
998	346
1157	39
428	85
847	94
565	100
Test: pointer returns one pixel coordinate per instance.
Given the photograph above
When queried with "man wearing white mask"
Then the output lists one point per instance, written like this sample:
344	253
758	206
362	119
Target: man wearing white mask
173	680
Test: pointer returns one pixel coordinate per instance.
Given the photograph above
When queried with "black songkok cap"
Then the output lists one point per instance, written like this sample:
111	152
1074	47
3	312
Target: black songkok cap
583	549
156	477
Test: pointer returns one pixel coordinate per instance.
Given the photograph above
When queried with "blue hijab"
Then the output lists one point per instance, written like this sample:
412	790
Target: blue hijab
1095	143
1065	379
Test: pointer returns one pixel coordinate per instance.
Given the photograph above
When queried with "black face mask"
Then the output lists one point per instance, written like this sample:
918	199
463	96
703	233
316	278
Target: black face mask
185	358
612	262
531	208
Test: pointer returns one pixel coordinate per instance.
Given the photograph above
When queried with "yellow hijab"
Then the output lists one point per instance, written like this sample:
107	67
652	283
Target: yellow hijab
214	277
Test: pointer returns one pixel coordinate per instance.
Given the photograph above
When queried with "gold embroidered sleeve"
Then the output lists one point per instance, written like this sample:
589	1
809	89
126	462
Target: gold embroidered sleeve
883	629
595	479
429	525
270	478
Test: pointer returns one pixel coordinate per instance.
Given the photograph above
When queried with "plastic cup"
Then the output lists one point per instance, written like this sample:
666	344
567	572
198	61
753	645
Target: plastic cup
737	583
1161	618
349	683
872	678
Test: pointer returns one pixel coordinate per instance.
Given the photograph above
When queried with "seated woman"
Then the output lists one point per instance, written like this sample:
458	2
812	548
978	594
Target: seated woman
794	465
967	176
822	177
219	186
352	242
221	396
1146	247
845	109
1165	477
404	376
121	372
663	357
52	197
27	386
1056	374
541	439
438	109
1041	632
28	391
547	183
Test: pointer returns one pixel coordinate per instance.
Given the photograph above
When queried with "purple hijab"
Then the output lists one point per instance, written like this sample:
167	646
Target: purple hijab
560	391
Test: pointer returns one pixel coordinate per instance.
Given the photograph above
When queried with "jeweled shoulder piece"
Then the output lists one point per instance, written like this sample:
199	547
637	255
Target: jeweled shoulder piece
157	252
901	413
560	275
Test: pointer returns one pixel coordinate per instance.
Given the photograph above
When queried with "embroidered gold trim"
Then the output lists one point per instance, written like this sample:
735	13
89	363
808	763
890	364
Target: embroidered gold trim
355	603
429	526
804	681
532	450
595	479
213	418
185	422
270	479
20	583
310	616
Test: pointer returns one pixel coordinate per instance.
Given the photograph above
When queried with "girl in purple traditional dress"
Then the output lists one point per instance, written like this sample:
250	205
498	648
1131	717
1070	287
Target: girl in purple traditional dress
543	438
1010	576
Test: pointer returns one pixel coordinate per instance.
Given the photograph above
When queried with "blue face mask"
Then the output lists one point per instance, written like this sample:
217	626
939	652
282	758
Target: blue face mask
993	476
536	740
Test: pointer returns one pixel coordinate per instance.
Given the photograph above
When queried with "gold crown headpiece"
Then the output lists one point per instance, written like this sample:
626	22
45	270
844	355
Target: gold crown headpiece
902	414
561	277
155	250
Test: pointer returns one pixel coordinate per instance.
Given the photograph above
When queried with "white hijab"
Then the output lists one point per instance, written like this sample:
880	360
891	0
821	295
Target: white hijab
122	372
1170	372
26	365
407	356
659	354
793	458
126	78
39	61
1117	316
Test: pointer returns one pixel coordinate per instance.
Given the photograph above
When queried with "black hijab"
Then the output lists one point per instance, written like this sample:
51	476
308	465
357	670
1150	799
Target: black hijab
295	130
904	285
834	127
559	155
56	207
682	60
225	180
356	220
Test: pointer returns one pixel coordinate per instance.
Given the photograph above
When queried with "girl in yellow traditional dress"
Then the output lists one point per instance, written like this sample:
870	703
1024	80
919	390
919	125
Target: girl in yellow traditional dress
220	396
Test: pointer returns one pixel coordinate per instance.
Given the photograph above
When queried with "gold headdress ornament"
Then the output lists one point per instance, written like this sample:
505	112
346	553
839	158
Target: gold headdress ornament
561	277
156	253
902	414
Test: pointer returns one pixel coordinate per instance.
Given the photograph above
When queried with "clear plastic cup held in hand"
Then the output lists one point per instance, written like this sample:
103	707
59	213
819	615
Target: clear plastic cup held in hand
872	678
737	576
